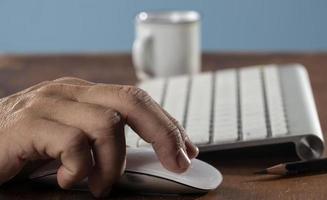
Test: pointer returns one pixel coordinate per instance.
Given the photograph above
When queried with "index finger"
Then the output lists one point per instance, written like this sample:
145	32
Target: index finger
141	113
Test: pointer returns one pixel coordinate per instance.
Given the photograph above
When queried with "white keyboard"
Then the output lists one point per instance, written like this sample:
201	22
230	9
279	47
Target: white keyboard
233	108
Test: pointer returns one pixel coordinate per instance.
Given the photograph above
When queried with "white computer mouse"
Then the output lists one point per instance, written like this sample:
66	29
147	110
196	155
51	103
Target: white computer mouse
145	174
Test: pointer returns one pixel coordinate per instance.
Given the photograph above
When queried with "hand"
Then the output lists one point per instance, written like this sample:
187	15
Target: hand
68	118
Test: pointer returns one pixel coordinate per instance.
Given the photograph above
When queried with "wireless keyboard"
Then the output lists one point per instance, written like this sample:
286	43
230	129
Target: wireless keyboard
233	108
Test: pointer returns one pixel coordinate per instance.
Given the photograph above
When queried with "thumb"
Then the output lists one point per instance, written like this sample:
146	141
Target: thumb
10	163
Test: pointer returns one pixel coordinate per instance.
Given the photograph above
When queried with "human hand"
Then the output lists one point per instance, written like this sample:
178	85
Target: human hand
68	118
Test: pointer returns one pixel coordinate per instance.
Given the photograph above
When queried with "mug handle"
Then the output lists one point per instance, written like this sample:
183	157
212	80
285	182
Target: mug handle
142	56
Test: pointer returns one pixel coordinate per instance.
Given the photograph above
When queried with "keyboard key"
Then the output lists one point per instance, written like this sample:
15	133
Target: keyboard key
274	101
225	127
199	109
252	104
175	100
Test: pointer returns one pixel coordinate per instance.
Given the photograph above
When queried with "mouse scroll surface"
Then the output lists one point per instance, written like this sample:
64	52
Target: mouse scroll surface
199	175
144	173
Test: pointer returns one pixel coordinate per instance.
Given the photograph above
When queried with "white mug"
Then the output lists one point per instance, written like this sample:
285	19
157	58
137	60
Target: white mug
167	44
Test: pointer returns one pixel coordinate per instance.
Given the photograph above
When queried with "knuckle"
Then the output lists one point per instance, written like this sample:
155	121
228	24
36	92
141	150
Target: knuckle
173	134
113	117
172	130
136	95
110	127
174	121
50	88
180	128
109	120
176	124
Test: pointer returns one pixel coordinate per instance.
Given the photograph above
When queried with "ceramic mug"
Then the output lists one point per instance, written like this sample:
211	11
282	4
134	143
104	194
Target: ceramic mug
167	44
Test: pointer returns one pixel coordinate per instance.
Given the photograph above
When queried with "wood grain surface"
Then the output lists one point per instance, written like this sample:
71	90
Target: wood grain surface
20	71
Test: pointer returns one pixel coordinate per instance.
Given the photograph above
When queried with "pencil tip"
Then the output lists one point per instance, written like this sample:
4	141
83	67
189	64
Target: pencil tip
261	172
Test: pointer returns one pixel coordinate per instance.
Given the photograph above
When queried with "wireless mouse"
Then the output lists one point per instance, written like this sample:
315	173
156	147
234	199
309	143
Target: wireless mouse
145	174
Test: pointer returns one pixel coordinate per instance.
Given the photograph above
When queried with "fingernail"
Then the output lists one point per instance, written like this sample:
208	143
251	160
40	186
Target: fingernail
196	151
192	150
182	159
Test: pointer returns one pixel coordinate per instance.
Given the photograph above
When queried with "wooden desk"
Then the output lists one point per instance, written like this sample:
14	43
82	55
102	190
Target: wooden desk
18	72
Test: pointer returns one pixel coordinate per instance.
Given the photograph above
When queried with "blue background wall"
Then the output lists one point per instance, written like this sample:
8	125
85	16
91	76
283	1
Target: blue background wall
107	25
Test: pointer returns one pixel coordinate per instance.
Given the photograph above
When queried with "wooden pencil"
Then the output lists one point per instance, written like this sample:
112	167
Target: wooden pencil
298	167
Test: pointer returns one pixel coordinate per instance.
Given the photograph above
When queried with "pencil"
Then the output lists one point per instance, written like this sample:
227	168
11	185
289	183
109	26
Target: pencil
298	167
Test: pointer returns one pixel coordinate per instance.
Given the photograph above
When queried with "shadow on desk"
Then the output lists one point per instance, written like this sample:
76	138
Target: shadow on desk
232	163
28	190
250	157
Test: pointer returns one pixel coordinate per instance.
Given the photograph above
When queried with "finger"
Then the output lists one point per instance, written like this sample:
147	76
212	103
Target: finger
69	144
191	150
110	156
139	111
105	129
10	161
